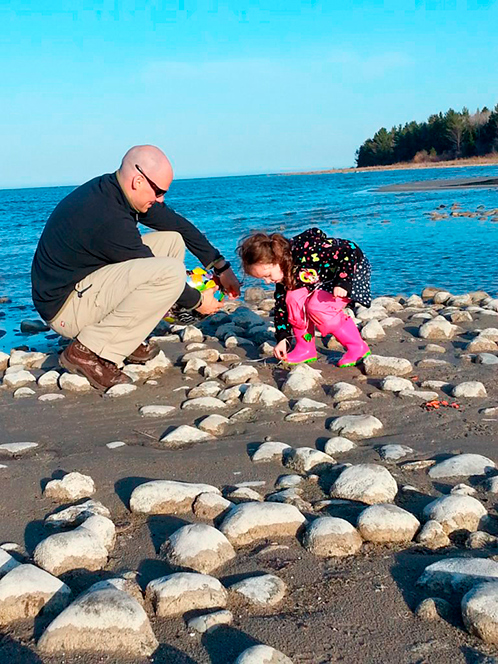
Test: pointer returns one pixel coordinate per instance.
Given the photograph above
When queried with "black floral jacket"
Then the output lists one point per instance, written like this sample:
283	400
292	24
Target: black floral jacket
322	262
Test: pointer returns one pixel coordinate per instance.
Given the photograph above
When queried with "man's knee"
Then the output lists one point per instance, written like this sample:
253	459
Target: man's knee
165	243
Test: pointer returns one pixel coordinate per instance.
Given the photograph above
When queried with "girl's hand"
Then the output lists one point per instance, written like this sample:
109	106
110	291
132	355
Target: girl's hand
280	350
339	292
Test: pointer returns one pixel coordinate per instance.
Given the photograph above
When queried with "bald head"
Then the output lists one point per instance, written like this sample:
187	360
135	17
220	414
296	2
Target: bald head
153	165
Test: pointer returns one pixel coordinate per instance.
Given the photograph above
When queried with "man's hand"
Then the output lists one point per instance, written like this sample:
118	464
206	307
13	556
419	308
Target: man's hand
280	350
209	304
339	292
230	284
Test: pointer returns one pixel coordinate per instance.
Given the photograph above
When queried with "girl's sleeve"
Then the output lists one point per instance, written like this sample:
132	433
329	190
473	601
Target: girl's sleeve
344	257
282	325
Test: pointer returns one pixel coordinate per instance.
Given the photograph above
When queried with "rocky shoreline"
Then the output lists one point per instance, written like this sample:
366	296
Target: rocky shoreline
225	509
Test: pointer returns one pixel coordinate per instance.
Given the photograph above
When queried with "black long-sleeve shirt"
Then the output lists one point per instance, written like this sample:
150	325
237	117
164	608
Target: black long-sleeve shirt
95	226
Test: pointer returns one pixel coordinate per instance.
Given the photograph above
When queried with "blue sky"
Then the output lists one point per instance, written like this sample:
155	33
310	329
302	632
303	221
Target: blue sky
229	86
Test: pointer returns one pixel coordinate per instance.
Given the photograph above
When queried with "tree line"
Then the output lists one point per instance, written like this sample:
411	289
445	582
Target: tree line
451	135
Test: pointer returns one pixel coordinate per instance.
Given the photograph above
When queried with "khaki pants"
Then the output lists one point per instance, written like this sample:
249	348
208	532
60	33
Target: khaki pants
122	303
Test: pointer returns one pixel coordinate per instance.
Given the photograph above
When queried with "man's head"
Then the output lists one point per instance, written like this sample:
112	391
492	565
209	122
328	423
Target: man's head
145	175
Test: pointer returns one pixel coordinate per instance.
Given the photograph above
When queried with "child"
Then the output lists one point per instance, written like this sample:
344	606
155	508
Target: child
316	277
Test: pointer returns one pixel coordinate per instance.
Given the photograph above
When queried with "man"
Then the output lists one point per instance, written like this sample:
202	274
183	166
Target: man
96	280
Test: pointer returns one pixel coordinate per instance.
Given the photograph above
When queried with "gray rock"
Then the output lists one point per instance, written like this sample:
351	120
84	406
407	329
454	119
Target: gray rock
394	452
469	389
302	379
342	391
306	459
70	488
210	621
357	426
337	445
480	611
462	465
376	365
249	522
272	451
456	512
433	536
457	575
267	395
264	590
262	655
167	496
185	435
210	506
156	410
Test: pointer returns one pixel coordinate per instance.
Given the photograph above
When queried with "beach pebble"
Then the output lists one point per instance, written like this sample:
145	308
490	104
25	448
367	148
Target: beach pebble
216	425
306	459
243	494
457	575
167	496
206	355
432	363
437	329
71	487
194	366
481	344
27	591
394	452
23	392
349	404
238	375
462	464
191	333
329	536
304	405
421	464
16	449
463	490
487	359
480	540
116	621
51	397
421	395
434	608
119	390
469	389
244	415
301	380
262	655
178	593
267	395
395	384
204	403
156	410
290	497
74	383
435	348
232	395
288	482
197	547
18	379
210	621
28	359
387	524
366	483
249	522
299	418
184	435
79	548
264	590
456	512
76	514
337	445
7	562
195	345
390	322
480	611
272	451
357	426
377	365
210	506
210	388
433	536
341	391
434	384
374	312
4	360
266	348
373	331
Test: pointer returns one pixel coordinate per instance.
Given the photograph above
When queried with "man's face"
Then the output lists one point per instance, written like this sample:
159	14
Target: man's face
148	189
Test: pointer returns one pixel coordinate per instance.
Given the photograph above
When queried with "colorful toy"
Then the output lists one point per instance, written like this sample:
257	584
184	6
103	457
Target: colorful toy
200	279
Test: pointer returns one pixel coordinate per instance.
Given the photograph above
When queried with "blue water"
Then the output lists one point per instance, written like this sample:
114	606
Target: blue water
408	251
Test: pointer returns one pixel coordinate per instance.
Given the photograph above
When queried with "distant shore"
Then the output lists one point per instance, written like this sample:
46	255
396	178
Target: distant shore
490	160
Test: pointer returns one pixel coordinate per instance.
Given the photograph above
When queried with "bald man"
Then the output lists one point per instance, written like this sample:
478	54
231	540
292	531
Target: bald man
97	280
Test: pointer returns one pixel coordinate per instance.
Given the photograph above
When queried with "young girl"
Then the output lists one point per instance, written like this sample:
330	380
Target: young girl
316	277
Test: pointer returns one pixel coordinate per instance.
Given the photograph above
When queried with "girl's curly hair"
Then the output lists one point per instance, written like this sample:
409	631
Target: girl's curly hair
263	248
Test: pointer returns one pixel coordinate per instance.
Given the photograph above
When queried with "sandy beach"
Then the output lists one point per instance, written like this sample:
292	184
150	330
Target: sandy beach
335	609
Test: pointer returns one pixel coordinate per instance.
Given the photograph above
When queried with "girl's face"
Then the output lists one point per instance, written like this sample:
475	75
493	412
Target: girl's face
271	273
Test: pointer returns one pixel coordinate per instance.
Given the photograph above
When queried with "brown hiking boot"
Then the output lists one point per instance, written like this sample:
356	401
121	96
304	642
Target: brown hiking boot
144	353
100	373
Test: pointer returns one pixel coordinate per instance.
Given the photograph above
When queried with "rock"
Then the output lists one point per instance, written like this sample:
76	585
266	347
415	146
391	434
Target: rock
206	355
357	426
304	417
434	608
306	459
254	294
396	384
272	451
16	449
116	622
243	494
480	611
487	359
288	481
158	364
394	452
26	591
76	514
469	389
304	405
420	395
343	391
115	444
18	379
290	497
210	621
432	363
167	496
178	593
432	536
119	390
240	374
262	655
330	536
204	403
249	522
337	445
209	388
79	548
210	506
437	329
373	331
387	524
51	397
435	348
422	464
264	590
372	313
481	344
462	464
376	365
480	540
231	395
244	415
366	483
195	366
23	392
7	562
457	575
71	487
74	383
491	484
463	490
156	410
216	425
184	435
302	379
191	333
27	359
260	393
197	547
456	512
4	360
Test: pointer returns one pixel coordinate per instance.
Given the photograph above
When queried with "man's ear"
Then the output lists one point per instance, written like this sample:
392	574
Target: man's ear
136	182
